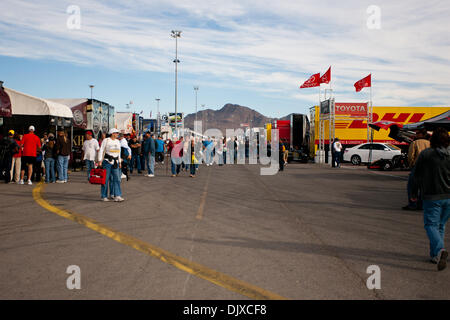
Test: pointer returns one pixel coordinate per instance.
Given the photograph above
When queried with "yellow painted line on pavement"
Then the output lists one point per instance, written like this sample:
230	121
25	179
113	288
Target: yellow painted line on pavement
198	270
201	208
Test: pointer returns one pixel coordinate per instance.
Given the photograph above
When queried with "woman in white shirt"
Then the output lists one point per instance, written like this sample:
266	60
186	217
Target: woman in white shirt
109	159
337	152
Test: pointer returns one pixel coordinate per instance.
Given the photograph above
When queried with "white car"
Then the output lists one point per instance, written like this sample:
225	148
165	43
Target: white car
360	153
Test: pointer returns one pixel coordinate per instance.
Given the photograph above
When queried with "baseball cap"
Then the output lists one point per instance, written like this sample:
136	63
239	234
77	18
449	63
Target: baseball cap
89	132
114	130
31	128
11	132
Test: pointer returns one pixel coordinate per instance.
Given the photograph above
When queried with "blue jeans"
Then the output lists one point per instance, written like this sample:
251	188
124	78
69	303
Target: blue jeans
436	214
208	153
62	165
49	170
176	168
142	161
337	158
113	177
135	158
89	166
150	161
193	168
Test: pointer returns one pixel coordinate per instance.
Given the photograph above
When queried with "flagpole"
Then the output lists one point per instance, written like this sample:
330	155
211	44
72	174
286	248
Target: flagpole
321	160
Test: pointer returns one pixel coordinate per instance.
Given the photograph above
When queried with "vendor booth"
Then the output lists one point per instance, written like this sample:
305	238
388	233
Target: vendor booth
19	110
88	114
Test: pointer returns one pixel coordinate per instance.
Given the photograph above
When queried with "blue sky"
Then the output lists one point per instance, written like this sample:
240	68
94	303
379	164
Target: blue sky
253	53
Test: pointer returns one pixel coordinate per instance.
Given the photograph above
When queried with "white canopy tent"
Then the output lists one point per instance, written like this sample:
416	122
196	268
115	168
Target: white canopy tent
24	104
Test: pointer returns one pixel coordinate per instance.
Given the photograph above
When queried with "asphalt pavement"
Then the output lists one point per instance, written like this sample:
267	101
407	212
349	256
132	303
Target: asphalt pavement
309	232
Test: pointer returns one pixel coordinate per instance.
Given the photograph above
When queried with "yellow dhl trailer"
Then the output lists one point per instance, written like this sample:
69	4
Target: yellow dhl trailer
353	132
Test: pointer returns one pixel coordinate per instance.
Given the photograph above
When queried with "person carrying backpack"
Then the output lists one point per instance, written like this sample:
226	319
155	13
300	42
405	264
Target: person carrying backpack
8	148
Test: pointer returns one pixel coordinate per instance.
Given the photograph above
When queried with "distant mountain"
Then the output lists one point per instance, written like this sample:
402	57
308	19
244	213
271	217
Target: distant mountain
231	116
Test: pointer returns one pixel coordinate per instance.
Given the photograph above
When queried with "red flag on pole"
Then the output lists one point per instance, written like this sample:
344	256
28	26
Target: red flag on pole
366	82
326	78
313	81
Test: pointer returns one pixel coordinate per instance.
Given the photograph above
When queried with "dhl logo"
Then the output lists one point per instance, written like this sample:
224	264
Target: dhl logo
402	118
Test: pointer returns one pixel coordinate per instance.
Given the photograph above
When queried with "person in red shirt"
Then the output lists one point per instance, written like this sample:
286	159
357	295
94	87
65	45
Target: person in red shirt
31	145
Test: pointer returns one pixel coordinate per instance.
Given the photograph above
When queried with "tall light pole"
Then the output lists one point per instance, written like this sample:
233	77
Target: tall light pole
157	119
196	91
176	34
92	87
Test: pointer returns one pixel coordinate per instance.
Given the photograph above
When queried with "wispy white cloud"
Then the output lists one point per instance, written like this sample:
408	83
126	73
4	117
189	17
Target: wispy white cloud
267	47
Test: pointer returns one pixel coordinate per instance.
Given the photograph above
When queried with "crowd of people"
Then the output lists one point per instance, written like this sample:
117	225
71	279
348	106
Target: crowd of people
30	158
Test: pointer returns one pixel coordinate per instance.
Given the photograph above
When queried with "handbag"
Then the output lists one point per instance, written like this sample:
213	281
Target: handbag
97	176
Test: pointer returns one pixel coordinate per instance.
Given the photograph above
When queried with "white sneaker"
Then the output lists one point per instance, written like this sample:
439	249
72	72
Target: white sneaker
105	199
150	175
59	181
20	182
123	176
118	199
30	183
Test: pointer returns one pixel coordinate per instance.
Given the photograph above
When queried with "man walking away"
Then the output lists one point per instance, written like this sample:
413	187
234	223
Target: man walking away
31	145
432	178
415	148
90	150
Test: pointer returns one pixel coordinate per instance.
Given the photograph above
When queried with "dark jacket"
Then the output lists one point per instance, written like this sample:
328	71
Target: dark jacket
49	152
63	148
8	147
135	149
432	174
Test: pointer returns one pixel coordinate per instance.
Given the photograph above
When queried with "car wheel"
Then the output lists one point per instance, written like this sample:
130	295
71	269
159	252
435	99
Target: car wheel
356	160
387	166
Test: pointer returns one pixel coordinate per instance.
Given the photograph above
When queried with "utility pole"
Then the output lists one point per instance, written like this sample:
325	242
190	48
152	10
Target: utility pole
196	91
176	34
158	129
